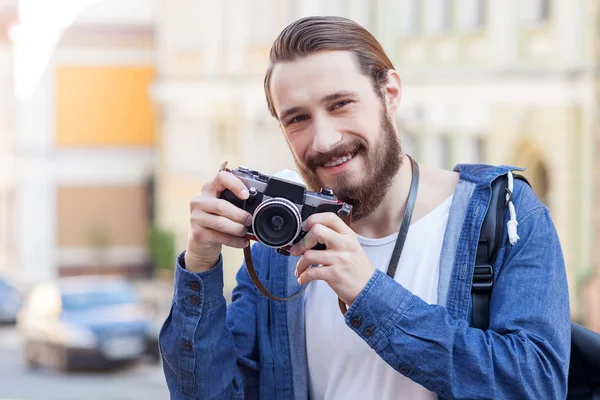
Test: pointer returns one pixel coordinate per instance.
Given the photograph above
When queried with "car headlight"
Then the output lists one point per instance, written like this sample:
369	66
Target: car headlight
78	336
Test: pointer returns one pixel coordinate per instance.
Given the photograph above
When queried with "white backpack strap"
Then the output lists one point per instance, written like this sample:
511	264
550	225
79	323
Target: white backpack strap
513	236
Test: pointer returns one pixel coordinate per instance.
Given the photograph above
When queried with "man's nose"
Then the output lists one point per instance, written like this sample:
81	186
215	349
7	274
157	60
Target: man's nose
325	136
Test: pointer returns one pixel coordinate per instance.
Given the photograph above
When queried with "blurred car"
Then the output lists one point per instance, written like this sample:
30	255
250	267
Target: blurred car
152	349
10	301
83	322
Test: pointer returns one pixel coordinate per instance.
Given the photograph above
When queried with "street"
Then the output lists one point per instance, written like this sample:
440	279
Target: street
143	380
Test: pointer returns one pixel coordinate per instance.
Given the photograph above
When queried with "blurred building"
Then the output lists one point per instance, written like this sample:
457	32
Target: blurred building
78	121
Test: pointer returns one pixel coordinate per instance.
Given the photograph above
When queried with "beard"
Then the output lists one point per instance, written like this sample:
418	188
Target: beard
382	161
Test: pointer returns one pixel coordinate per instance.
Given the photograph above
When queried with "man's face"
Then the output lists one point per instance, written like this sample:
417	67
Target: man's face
337	127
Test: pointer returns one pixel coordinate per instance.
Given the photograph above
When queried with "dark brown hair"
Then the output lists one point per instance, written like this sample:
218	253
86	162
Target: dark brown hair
311	34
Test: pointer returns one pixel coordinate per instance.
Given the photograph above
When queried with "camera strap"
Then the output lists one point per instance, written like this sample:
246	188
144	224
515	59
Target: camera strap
258	283
408	212
393	265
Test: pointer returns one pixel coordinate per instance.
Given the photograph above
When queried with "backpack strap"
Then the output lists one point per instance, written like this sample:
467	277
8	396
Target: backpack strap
490	241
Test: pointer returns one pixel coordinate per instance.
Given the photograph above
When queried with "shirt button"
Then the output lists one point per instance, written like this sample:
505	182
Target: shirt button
404	370
187	346
195	300
369	330
356	322
195	286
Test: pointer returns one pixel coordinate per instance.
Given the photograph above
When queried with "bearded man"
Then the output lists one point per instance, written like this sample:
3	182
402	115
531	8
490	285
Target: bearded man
406	330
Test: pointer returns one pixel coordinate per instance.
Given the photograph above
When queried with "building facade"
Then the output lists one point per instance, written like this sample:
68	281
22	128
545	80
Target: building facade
79	128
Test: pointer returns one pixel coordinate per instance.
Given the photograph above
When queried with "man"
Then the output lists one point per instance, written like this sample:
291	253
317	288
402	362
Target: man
334	92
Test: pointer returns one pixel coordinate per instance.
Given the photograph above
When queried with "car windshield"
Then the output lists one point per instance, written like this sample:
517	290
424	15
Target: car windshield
98	298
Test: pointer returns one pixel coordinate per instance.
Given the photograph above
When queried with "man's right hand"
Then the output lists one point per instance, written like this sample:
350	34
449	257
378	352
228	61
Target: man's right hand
215	222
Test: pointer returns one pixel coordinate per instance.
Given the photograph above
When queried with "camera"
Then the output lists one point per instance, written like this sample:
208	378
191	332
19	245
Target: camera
279	206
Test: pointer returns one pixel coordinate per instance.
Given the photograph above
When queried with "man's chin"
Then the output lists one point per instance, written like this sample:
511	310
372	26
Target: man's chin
346	178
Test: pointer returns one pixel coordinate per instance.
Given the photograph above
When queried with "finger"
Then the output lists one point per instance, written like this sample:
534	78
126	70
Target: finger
329	219
225	209
226	180
312	257
207	235
317	234
219	224
315	273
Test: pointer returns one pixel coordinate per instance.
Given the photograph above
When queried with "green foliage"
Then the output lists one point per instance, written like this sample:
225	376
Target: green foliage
161	244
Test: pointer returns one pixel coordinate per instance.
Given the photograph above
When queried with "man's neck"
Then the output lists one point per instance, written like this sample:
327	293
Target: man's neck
435	186
386	219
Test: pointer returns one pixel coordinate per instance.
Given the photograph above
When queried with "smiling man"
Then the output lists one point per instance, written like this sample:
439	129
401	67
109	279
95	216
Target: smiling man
405	292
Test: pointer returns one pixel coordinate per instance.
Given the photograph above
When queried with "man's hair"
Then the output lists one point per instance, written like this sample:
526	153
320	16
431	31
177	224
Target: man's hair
312	34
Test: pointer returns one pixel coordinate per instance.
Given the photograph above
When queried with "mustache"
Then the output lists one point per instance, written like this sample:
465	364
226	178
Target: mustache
354	147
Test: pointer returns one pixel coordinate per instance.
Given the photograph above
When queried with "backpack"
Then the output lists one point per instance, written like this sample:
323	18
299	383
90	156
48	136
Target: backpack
584	367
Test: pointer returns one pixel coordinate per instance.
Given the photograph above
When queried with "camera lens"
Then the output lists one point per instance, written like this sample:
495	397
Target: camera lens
276	222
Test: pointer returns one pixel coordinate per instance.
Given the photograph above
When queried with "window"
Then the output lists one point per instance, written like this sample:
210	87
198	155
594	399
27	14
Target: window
480	150
223	137
446	152
408	141
410	17
534	12
439	16
262	22
472	14
407	132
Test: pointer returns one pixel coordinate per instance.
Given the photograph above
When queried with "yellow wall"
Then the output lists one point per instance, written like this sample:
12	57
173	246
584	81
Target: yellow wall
104	106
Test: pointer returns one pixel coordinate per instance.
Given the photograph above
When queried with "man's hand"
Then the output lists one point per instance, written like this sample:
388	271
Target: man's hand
215	222
344	264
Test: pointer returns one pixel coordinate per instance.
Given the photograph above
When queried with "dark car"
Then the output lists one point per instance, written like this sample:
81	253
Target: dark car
10	301
83	323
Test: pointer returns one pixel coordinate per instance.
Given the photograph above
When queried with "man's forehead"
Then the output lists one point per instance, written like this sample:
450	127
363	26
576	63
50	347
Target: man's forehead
315	76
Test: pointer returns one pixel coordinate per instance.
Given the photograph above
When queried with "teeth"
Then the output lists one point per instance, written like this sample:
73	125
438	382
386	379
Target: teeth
338	161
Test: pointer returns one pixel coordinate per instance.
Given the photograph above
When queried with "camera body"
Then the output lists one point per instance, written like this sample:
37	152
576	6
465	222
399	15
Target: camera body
279	206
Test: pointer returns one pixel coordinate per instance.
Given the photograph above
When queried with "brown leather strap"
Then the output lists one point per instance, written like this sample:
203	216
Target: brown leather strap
258	284
343	307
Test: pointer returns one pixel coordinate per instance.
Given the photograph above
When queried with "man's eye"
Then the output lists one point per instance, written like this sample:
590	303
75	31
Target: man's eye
297	119
340	104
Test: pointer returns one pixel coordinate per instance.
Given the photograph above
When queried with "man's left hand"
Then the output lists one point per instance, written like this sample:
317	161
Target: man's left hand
344	265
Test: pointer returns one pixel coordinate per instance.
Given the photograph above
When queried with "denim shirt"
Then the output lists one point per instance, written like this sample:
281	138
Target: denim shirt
254	348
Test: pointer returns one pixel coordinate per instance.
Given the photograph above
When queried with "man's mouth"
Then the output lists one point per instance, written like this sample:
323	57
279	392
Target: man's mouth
339	160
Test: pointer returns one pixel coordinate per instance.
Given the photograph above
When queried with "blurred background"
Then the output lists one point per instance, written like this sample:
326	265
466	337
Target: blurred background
113	113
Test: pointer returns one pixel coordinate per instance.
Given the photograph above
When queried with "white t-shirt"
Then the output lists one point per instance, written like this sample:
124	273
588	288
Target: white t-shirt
341	365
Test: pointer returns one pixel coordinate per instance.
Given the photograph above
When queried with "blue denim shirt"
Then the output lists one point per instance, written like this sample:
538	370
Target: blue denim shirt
255	347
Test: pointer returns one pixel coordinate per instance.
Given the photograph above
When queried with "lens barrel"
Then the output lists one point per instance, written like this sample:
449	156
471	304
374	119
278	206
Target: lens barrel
277	222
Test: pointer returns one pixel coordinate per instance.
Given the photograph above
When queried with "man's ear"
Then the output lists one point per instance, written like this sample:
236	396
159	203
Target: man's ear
392	91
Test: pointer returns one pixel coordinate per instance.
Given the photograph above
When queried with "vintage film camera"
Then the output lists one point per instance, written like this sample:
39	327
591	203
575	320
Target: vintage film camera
279	207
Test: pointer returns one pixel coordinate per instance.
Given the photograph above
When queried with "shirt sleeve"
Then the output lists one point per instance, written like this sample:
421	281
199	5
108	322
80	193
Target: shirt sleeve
208	349
523	355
